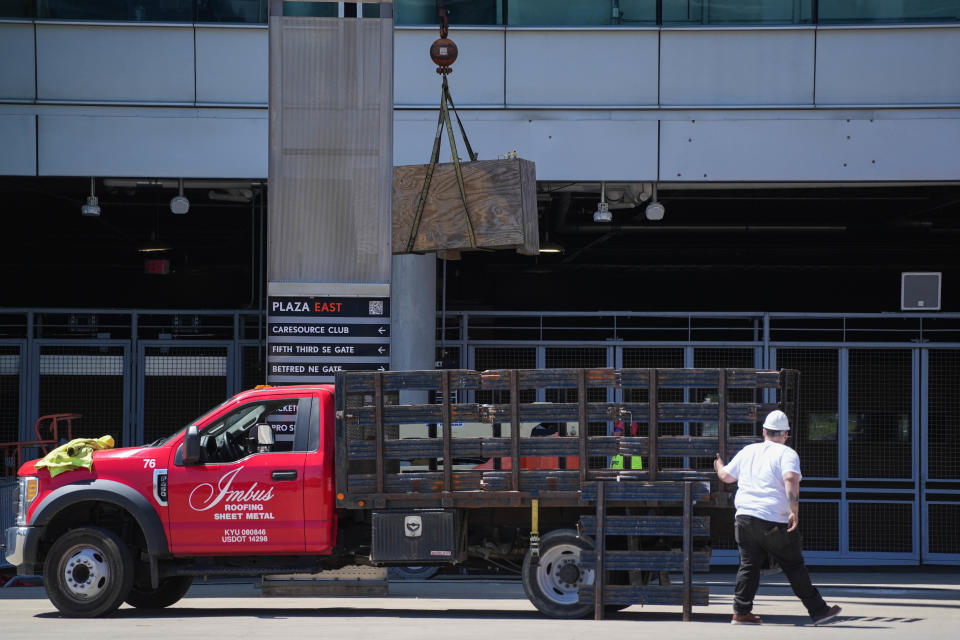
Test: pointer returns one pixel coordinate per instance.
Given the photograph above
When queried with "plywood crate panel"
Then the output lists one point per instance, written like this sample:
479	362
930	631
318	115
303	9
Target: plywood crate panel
501	197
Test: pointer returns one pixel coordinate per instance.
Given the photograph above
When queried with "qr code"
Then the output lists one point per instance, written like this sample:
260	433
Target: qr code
375	307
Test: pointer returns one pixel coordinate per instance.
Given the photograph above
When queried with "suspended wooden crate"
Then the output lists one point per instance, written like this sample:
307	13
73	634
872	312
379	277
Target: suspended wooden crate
501	199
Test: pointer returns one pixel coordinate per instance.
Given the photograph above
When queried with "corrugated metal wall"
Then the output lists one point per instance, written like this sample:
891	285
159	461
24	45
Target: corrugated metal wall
331	149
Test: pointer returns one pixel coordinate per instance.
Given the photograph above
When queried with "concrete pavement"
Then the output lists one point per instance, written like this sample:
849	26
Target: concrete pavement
883	603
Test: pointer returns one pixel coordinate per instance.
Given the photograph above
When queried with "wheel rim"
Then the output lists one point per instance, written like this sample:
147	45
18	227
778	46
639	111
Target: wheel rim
559	574
84	572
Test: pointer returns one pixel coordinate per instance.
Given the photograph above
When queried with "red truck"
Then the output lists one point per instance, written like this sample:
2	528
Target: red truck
300	479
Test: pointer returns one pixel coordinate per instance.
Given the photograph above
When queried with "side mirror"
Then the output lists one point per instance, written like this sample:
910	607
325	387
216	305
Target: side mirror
260	438
264	435
191	445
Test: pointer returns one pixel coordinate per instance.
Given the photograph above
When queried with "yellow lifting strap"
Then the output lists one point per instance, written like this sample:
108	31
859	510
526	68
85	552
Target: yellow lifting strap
444	122
535	528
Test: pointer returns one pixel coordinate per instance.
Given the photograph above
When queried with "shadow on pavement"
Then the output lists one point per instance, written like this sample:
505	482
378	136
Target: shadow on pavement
338	612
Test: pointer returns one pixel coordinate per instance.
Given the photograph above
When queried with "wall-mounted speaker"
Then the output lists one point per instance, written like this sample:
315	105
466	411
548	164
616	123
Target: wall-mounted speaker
920	291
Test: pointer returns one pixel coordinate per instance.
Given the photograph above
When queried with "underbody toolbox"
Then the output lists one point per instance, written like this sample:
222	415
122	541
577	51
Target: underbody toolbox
418	536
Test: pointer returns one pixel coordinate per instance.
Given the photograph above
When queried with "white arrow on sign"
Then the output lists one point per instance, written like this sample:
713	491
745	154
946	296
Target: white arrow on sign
381	369
381	331
381	350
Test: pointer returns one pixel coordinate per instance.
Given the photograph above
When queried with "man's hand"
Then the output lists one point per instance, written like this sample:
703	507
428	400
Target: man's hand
723	475
792	521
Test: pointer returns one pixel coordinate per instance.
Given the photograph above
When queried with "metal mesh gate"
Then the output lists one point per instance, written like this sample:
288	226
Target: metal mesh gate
504	358
133	375
942	453
885	527
655	358
254	368
880	425
870	404
10	364
195	375
815	439
579	357
89	380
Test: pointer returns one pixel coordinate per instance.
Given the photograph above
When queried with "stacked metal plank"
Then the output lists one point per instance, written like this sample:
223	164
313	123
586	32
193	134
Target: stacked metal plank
367	431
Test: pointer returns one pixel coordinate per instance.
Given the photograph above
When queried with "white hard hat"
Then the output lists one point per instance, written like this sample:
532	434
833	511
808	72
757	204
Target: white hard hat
776	421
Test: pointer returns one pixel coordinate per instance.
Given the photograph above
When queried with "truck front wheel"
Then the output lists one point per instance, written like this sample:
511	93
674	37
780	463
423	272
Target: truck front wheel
169	592
552	584
88	572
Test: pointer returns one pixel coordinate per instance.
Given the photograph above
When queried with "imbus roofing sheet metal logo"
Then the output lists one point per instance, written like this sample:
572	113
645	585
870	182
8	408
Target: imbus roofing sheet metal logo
205	496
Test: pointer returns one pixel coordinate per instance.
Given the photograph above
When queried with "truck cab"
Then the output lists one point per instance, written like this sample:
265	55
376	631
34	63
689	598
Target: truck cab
251	478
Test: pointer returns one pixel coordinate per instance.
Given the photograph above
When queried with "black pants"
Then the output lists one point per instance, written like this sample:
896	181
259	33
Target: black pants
759	538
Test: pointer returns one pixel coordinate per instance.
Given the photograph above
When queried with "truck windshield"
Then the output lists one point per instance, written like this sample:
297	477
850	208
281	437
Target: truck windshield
159	442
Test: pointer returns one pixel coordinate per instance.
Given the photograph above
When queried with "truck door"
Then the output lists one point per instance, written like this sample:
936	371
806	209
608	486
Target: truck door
244	497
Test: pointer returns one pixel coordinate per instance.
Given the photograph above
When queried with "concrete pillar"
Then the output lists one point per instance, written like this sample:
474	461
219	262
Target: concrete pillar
414	311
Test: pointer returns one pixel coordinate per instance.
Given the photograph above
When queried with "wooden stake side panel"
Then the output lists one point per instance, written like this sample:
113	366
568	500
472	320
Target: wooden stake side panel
378	464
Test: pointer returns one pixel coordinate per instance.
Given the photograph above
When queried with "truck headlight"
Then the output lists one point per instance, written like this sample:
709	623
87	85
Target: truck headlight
28	490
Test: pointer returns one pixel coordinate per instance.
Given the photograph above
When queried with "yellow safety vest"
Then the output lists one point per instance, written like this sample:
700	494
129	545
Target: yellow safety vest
617	462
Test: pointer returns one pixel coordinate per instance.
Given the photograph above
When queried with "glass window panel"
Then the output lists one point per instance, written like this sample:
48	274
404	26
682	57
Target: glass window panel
579	13
16	8
879	421
854	11
134	10
459	12
740	12
311	9
243	11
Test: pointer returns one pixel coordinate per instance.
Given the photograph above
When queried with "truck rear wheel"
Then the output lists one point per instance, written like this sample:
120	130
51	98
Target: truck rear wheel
169	592
553	583
88	572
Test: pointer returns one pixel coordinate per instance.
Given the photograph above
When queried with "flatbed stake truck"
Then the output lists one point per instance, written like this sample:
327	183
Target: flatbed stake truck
301	479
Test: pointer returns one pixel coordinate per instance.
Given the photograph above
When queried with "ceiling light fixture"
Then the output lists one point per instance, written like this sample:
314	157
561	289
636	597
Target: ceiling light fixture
654	210
231	195
550	247
602	214
154	247
92	207
179	203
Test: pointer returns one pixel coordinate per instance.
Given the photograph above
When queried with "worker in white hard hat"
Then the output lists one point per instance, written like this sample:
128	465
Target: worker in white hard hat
768	511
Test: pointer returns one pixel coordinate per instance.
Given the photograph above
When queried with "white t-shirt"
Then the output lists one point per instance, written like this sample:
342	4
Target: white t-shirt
759	469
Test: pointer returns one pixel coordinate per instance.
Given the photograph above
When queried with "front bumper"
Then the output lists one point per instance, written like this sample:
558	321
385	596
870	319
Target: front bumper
21	546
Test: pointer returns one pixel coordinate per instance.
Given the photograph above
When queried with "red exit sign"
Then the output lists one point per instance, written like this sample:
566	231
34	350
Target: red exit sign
156	266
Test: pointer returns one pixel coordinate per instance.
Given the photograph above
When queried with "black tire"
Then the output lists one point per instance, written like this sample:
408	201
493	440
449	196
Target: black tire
88	572
169	592
421	572
552	583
